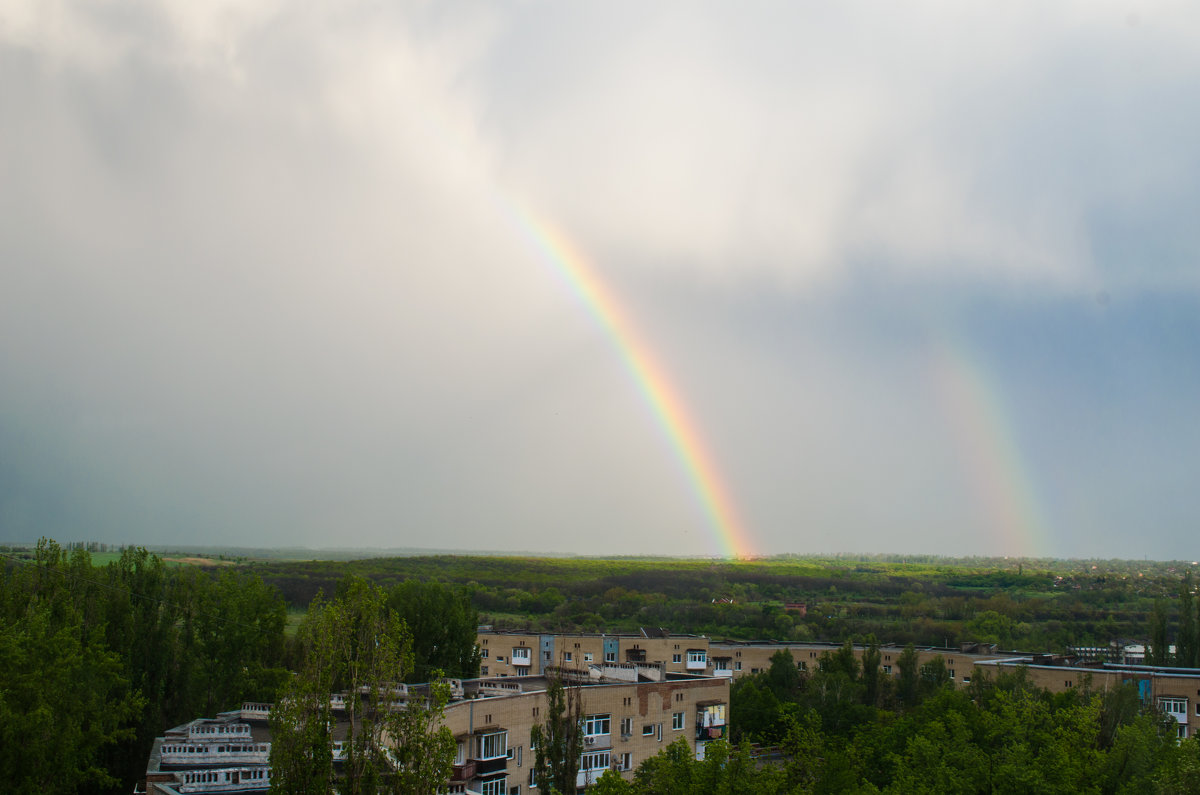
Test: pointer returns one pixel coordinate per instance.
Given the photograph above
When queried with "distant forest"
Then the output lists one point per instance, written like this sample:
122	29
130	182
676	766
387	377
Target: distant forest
1036	605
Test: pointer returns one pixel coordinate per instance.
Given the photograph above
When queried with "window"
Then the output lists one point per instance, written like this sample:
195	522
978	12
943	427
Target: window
626	762
626	727
677	721
588	656
483	652
802	665
568	657
460	754
647	729
483	670
610	656
594	760
697	657
676	658
951	672
737	666
596	724
1174	706
1181	731
887	669
495	786
492	746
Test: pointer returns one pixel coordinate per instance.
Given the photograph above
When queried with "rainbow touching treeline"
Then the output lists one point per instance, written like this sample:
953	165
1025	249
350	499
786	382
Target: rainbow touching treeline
729	534
988	445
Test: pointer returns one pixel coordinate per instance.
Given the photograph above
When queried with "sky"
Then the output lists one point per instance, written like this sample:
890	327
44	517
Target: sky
602	277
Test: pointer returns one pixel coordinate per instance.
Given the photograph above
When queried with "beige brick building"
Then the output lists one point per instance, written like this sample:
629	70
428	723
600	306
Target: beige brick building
508	654
625	723
1176	691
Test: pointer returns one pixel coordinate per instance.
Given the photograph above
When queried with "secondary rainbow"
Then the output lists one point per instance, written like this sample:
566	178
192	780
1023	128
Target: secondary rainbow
989	447
668	408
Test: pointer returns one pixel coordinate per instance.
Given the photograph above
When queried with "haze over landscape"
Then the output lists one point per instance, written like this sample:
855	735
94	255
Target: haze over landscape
594	278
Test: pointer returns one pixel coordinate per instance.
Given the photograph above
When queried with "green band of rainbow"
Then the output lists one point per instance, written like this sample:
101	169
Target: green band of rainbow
669	410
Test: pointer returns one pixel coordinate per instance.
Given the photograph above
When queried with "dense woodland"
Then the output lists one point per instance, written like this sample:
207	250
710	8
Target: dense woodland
99	656
1038	605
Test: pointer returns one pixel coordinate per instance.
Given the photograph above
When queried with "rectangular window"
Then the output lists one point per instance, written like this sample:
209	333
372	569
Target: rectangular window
951	672
610	656
648	730
676	658
483	653
1174	706
492	746
588	656
567	657
627	761
677	720
595	725
460	754
737	666
594	760
887	669
802	665
495	786
626	727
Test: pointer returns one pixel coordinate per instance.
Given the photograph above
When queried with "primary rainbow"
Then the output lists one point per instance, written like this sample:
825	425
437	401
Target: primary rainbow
990	449
670	411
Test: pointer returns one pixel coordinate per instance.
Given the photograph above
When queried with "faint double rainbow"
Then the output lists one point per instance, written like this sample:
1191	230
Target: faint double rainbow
669	409
989	448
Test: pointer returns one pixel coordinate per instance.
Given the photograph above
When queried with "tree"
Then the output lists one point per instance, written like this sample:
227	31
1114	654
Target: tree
65	699
1187	649
443	625
906	684
357	646
870	672
1159	652
421	748
559	741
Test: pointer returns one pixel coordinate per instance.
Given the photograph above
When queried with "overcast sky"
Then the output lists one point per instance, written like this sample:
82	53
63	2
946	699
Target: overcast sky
924	274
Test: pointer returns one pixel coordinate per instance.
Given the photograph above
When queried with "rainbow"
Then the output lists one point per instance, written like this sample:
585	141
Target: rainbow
988	445
729	534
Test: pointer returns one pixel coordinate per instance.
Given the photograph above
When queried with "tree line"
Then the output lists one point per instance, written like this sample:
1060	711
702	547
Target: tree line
97	661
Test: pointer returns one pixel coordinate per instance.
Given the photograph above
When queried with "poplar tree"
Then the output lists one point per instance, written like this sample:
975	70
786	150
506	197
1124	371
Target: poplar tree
1188	645
559	741
1159	651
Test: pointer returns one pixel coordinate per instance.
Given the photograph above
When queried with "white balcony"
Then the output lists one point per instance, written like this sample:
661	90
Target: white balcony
521	657
697	661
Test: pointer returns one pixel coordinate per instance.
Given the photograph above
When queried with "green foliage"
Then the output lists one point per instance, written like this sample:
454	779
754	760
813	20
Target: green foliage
64	697
421	749
559	740
443	625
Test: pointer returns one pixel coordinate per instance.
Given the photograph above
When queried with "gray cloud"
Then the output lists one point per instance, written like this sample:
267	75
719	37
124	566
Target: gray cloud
260	282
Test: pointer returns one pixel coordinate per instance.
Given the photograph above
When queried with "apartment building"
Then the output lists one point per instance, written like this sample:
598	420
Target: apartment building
507	654
530	654
1176	691
631	712
228	753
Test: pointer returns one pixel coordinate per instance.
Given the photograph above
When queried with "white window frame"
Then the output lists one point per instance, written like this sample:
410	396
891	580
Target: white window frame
597	725
492	739
677	721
